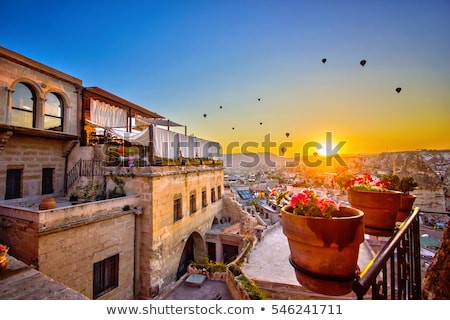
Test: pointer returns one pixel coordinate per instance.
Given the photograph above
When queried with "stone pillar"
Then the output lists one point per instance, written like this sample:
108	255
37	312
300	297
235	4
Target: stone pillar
9	95
219	251
39	113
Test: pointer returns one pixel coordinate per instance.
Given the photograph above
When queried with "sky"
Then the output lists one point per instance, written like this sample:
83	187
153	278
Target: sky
247	72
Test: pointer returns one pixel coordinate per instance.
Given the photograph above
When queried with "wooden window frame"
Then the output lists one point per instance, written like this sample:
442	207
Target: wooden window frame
204	199
106	276
14	181
177	209
192	203
47	181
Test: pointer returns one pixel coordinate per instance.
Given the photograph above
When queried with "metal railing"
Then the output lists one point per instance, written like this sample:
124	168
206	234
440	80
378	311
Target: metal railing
395	272
85	168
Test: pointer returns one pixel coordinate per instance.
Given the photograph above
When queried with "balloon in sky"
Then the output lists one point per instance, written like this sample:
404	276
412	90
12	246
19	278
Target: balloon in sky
398	90
324	60
362	62
259	99
260	123
287	134
232	128
220	107
204	115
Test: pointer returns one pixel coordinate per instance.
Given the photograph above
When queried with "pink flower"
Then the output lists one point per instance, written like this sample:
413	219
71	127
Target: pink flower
296	198
311	193
3	249
308	203
273	193
325	203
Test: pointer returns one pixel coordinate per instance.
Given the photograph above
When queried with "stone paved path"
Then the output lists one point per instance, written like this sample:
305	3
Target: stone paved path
269	260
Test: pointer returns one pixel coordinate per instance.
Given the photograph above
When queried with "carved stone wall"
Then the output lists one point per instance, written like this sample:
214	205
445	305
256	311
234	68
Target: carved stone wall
436	284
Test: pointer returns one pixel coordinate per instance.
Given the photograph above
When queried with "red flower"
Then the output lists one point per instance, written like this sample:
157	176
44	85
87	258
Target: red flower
299	197
306	202
273	193
3	249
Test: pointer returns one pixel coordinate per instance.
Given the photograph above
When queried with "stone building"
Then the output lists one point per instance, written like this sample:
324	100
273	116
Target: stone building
39	112
54	144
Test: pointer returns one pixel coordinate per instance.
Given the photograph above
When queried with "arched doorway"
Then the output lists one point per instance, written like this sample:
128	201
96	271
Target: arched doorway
194	249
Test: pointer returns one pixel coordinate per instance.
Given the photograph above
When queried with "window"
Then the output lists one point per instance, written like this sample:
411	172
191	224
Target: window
53	113
13	183
192	203
47	180
24	106
177	212
213	195
106	275
204	201
219	192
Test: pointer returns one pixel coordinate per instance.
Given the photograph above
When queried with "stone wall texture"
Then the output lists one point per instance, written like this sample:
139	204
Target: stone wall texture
162	238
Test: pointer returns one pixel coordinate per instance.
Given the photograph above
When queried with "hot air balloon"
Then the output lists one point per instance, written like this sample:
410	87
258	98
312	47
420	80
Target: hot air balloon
398	89
204	115
220	107
362	62
287	134
283	150
232	128
259	99
260	123
315	154
324	60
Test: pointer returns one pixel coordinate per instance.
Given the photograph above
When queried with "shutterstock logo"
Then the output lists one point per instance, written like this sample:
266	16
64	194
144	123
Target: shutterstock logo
330	149
189	148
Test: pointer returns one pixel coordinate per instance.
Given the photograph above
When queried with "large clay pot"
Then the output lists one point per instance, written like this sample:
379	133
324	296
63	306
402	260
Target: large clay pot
406	204
324	251
47	203
380	209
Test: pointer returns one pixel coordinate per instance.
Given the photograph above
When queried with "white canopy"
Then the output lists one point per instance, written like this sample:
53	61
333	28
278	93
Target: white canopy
106	115
171	145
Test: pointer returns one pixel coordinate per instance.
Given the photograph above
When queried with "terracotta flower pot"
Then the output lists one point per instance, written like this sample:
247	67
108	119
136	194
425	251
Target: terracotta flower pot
406	205
47	203
324	251
380	209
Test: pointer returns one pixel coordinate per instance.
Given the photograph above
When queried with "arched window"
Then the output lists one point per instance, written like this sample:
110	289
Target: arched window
53	113
24	106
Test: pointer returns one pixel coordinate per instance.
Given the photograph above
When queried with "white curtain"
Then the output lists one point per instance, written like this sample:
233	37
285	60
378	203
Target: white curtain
168	144
106	115
141	138
171	145
162	139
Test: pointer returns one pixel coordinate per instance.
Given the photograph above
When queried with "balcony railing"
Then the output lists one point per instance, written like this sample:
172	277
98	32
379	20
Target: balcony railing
395	272
85	168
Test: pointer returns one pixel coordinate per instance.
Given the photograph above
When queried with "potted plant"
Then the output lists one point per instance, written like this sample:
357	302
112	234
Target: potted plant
405	185
3	259
73	198
279	196
324	241
371	195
